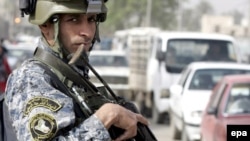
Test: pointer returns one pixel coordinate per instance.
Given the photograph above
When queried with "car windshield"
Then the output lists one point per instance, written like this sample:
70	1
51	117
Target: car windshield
206	79
239	99
20	53
17	56
108	60
181	52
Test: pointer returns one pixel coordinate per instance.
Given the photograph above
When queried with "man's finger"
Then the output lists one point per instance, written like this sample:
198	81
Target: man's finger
142	119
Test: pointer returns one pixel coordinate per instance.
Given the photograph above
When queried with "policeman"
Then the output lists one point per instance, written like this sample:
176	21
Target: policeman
36	108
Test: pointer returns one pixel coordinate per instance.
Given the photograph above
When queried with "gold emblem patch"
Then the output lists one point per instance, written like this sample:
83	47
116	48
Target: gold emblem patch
42	102
43	127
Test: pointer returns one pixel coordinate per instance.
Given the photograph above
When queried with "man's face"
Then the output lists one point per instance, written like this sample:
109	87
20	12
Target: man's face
77	30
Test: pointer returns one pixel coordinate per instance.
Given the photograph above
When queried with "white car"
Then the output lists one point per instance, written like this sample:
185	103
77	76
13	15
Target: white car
189	97
17	54
113	68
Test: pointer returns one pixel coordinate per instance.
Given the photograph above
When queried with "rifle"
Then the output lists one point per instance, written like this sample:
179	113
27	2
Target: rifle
95	97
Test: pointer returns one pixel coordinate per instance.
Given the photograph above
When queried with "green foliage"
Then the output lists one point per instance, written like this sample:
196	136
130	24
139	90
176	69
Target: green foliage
191	17
124	14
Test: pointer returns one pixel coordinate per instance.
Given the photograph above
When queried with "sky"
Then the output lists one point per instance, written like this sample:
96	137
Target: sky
223	6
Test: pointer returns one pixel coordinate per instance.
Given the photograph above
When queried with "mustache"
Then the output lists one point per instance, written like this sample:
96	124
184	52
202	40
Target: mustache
84	40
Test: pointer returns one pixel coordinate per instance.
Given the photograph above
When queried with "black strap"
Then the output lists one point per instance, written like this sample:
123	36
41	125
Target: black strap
64	68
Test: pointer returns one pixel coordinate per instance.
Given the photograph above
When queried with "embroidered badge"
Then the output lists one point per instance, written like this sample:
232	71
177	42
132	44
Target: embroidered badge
43	127
42	102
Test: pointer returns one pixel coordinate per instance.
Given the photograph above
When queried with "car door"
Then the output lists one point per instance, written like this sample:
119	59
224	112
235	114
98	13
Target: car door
178	98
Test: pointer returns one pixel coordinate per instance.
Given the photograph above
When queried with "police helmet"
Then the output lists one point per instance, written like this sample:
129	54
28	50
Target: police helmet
41	11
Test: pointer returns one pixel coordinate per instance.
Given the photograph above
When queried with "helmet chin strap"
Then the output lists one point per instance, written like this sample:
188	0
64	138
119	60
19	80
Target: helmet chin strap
96	38
56	45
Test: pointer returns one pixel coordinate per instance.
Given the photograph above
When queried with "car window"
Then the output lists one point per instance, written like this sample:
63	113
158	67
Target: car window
206	79
17	56
108	60
238	101
20	53
181	52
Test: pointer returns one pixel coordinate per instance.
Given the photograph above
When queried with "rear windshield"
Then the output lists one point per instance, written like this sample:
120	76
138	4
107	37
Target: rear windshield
206	79
108	60
181	52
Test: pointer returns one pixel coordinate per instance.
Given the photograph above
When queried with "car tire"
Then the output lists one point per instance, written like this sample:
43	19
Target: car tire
146	111
174	132
184	136
158	117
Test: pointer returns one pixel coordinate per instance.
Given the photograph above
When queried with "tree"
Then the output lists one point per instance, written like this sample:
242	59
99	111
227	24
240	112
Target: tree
124	14
238	16
191	19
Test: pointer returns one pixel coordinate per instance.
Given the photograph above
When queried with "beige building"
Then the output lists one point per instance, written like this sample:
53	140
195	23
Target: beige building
224	25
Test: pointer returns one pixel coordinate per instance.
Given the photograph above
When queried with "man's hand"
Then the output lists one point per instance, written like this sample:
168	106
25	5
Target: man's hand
114	114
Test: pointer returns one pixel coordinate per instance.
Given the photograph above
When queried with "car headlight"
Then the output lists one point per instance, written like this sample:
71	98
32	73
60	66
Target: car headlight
193	118
196	114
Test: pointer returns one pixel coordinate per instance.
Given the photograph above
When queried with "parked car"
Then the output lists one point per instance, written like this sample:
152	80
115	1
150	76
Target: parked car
113	68
229	105
18	53
189	97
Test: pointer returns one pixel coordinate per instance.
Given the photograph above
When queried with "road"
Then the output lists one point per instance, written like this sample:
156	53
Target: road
161	131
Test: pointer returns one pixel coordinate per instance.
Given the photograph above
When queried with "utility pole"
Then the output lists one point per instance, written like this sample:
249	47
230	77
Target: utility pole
149	10
179	16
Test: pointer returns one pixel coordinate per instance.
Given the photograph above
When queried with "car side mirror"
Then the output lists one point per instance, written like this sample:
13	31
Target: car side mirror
176	90
160	55
212	111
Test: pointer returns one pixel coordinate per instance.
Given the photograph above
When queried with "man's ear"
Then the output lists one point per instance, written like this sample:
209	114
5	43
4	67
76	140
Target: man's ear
44	28
47	30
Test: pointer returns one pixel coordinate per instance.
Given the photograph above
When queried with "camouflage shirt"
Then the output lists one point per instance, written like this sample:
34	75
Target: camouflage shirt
39	111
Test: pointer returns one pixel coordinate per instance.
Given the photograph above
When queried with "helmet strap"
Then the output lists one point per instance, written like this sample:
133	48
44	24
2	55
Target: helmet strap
97	37
56	45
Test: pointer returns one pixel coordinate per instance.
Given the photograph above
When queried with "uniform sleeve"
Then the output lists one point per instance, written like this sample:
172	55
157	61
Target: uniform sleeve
40	112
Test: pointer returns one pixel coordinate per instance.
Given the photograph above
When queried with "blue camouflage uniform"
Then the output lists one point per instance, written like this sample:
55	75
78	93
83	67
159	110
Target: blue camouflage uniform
38	111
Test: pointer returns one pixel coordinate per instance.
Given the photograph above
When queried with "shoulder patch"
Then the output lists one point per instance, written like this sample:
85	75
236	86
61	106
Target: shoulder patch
42	102
43	127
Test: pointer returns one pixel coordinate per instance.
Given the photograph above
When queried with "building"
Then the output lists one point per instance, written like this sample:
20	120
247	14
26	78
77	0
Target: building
224	25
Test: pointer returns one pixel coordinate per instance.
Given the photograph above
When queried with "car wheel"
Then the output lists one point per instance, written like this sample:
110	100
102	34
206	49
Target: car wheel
160	118
175	133
184	136
140	99
146	111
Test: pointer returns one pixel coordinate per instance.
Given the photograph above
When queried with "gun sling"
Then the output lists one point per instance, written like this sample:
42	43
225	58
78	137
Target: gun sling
67	72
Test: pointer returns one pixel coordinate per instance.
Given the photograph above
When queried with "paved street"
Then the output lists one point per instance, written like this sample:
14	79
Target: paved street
161	131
